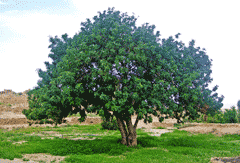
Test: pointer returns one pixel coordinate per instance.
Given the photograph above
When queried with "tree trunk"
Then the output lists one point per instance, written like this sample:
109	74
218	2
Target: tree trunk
205	118
122	129
132	134
204	111
129	137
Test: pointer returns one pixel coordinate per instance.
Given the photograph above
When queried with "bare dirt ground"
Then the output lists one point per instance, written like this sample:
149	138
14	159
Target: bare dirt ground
11	117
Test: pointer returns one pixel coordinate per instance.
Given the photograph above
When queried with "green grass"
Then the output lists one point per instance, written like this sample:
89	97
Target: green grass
176	146
5	104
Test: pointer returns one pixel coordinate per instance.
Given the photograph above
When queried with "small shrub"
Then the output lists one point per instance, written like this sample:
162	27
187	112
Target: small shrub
161	127
185	120
210	119
41	122
230	116
6	104
238	117
9	105
199	120
218	118
176	125
111	124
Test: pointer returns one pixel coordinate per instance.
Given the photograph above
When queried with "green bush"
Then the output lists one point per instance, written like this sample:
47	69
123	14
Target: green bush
9	105
238	117
176	125
45	121
218	118
199	120
110	125
230	116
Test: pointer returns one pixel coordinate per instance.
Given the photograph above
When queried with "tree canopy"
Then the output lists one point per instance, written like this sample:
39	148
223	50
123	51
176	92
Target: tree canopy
203	64
148	76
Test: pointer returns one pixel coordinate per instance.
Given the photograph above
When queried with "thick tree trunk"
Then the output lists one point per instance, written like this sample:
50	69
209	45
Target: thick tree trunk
129	137
122	129
204	111
132	134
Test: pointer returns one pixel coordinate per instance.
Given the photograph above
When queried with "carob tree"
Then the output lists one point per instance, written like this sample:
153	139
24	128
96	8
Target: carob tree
148	76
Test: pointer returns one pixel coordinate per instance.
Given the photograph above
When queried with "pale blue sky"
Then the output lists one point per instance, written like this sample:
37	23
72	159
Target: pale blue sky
25	27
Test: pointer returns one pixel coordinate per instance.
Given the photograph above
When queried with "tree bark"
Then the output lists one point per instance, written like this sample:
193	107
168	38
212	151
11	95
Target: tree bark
132	135
129	137
204	111
122	129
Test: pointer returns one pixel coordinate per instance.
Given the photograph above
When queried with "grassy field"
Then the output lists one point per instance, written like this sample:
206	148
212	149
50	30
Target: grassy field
176	146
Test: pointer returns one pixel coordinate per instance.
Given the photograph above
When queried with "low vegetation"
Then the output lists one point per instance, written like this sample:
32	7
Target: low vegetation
176	146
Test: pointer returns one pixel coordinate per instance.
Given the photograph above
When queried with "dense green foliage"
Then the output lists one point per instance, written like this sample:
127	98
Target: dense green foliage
230	116
201	64
111	124
149	74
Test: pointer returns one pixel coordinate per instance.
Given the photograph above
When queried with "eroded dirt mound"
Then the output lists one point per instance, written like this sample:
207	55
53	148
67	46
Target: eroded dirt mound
12	123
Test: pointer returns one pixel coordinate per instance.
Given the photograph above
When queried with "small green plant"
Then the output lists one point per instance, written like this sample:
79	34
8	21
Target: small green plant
160	127
218	118
111	124
45	121
198	120
42	122
7	104
230	116
210	119
238	117
176	125
179	126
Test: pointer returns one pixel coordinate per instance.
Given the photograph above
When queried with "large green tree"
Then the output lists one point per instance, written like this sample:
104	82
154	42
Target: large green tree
144	82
